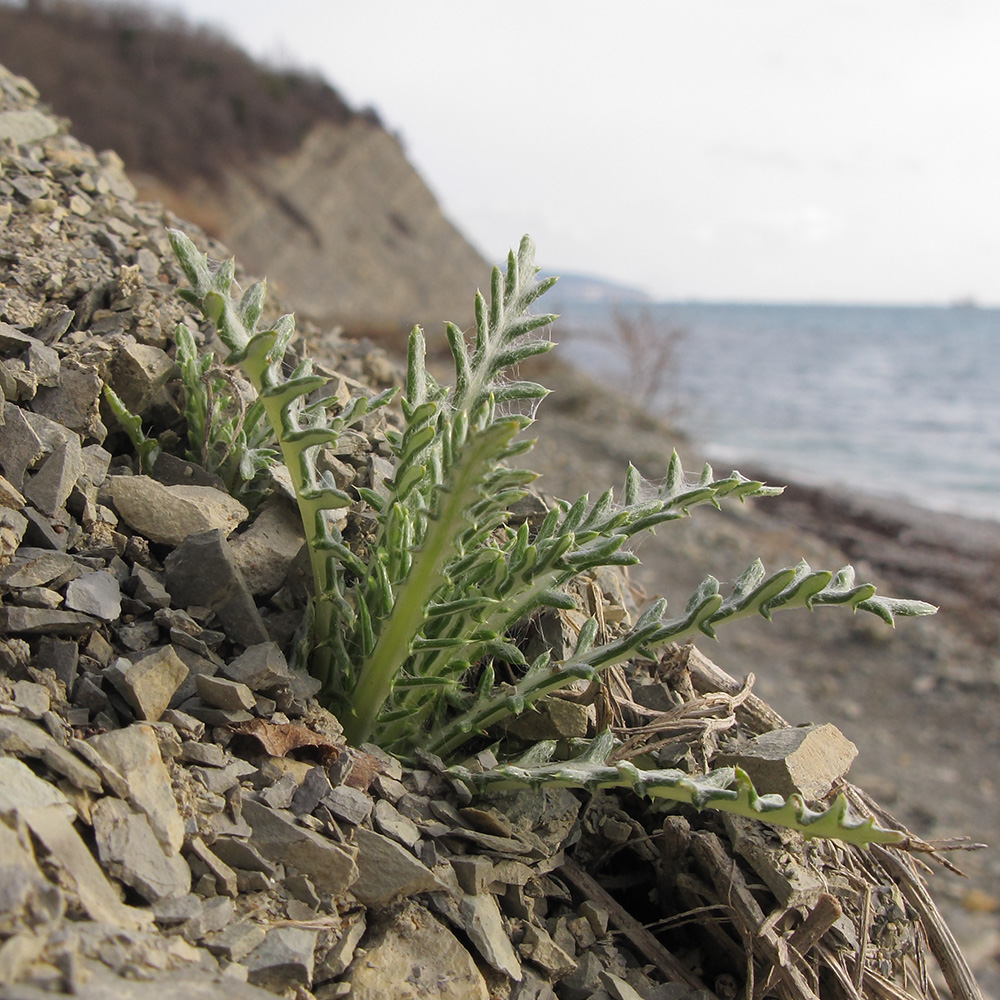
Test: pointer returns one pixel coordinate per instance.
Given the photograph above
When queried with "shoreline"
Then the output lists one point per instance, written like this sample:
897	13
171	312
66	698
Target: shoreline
939	505
948	559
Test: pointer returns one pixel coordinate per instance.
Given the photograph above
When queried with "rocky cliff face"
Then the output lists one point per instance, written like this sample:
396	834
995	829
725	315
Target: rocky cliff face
345	228
299	186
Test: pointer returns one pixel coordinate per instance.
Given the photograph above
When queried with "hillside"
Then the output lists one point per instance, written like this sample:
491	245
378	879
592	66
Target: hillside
273	162
73	238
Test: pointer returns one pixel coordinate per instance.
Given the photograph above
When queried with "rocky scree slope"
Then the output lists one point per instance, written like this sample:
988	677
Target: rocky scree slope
174	805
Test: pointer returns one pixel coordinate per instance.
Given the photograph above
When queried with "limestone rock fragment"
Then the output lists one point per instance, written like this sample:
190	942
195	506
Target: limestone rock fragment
78	870
803	759
485	927
202	571
24	127
28	739
279	838
50	487
135	753
267	548
415	957
149	683
285	957
95	594
169	514
20	446
138	372
388	871
129	850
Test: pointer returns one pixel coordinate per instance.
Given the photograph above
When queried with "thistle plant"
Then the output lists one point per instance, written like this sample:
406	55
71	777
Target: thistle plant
226	434
407	635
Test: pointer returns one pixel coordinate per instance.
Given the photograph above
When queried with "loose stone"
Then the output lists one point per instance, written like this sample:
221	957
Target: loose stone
387	872
135	754
286	956
95	594
131	852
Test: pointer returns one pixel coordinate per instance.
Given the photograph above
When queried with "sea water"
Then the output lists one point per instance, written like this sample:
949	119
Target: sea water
893	401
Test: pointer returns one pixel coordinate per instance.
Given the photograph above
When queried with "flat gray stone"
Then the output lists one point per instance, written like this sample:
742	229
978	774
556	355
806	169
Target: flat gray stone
31	700
49	488
348	804
130	851
483	923
280	794
241	854
802	759
148	684
113	781
52	433
30	188
24	127
13	341
20	787
209	754
197	665
20	446
62	655
78	870
95	594
204	861
268	547
533	988
618	988
280	839
387	872
390	822
584	980
146	586
96	461
419	951
17	384
9	496
74	403
260	667
285	957
182	983
220	779
220	692
537	946
236	941
172	910
28	739
138	371
16	620
135	754
169	514
43	363
548	813
201	571
13	525
312	791
338	956
35	567
25	893
474	873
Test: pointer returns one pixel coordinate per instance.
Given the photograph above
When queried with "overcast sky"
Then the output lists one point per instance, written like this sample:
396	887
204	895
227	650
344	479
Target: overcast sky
774	150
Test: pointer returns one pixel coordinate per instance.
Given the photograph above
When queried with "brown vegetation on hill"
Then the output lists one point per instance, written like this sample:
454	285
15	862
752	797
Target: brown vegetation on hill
106	67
